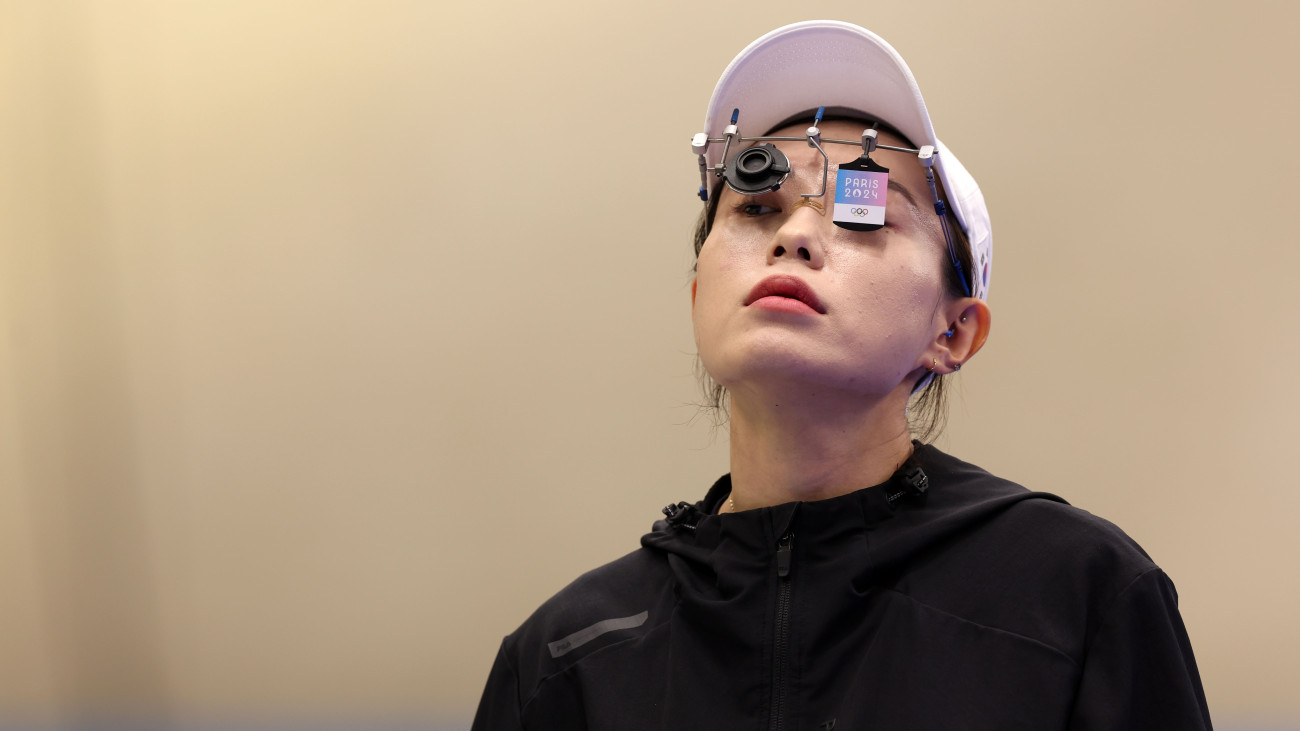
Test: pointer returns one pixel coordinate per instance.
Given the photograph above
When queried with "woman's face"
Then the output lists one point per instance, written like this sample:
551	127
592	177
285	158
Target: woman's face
849	311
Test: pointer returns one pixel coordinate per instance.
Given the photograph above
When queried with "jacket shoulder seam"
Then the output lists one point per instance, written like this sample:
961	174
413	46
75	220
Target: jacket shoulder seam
999	630
1107	614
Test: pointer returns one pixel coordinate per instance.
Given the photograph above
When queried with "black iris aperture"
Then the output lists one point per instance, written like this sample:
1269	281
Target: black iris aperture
757	169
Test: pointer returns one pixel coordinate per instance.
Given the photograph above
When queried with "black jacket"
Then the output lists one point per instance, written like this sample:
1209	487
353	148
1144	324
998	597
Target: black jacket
945	598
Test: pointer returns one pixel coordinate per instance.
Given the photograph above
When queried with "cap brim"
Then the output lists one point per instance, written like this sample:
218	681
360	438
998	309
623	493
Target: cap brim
818	63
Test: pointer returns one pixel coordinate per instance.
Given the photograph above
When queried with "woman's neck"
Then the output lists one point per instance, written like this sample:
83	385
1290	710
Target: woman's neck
816	450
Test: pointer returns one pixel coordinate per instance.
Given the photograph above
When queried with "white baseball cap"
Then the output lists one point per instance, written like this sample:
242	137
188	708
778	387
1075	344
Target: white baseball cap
835	64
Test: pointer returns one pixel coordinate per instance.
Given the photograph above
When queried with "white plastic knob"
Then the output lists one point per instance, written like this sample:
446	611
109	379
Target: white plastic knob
869	141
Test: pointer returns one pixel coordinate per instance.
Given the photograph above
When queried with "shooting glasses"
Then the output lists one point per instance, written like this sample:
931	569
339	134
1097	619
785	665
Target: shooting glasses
860	186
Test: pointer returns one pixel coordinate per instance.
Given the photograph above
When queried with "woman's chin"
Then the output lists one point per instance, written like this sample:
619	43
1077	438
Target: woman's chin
791	373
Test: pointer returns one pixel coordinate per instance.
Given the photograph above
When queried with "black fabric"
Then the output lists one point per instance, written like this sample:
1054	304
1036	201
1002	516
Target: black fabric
974	605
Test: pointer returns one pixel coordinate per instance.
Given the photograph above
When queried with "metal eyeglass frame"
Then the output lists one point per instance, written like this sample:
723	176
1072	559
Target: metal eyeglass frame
869	143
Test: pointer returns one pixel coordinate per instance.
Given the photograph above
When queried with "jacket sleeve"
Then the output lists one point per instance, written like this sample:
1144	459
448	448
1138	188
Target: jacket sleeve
498	709
1139	672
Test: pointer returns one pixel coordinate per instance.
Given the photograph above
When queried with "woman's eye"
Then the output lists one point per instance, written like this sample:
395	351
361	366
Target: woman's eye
754	209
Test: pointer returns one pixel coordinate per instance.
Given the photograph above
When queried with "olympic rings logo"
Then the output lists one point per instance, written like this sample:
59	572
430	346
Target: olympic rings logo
860	212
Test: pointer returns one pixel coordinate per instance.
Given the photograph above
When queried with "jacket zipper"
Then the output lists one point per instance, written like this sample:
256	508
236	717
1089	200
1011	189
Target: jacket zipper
781	652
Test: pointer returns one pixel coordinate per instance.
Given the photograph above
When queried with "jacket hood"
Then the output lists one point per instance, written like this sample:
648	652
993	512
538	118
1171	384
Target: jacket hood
863	536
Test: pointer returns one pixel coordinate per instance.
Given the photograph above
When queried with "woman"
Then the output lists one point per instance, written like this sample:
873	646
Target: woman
842	575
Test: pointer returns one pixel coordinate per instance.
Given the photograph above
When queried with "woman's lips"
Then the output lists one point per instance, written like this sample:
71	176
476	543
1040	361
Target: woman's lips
785	293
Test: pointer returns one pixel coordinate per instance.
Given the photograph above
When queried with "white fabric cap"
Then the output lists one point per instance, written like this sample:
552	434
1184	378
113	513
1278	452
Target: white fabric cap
831	63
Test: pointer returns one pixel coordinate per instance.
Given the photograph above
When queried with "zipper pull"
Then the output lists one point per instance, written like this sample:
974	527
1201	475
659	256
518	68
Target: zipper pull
783	555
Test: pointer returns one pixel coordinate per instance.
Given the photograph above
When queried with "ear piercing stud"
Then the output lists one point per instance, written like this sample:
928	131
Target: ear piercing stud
934	363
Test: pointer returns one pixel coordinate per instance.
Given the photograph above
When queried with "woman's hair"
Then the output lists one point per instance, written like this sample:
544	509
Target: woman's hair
927	412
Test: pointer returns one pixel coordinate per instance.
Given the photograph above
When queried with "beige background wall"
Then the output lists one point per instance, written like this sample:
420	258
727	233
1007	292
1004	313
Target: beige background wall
335	336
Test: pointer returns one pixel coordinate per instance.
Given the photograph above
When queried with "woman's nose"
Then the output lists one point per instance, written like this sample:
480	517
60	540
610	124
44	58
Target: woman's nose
799	238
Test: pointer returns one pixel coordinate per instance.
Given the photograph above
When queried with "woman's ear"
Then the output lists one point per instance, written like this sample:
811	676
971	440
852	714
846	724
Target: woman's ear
968	328
693	283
